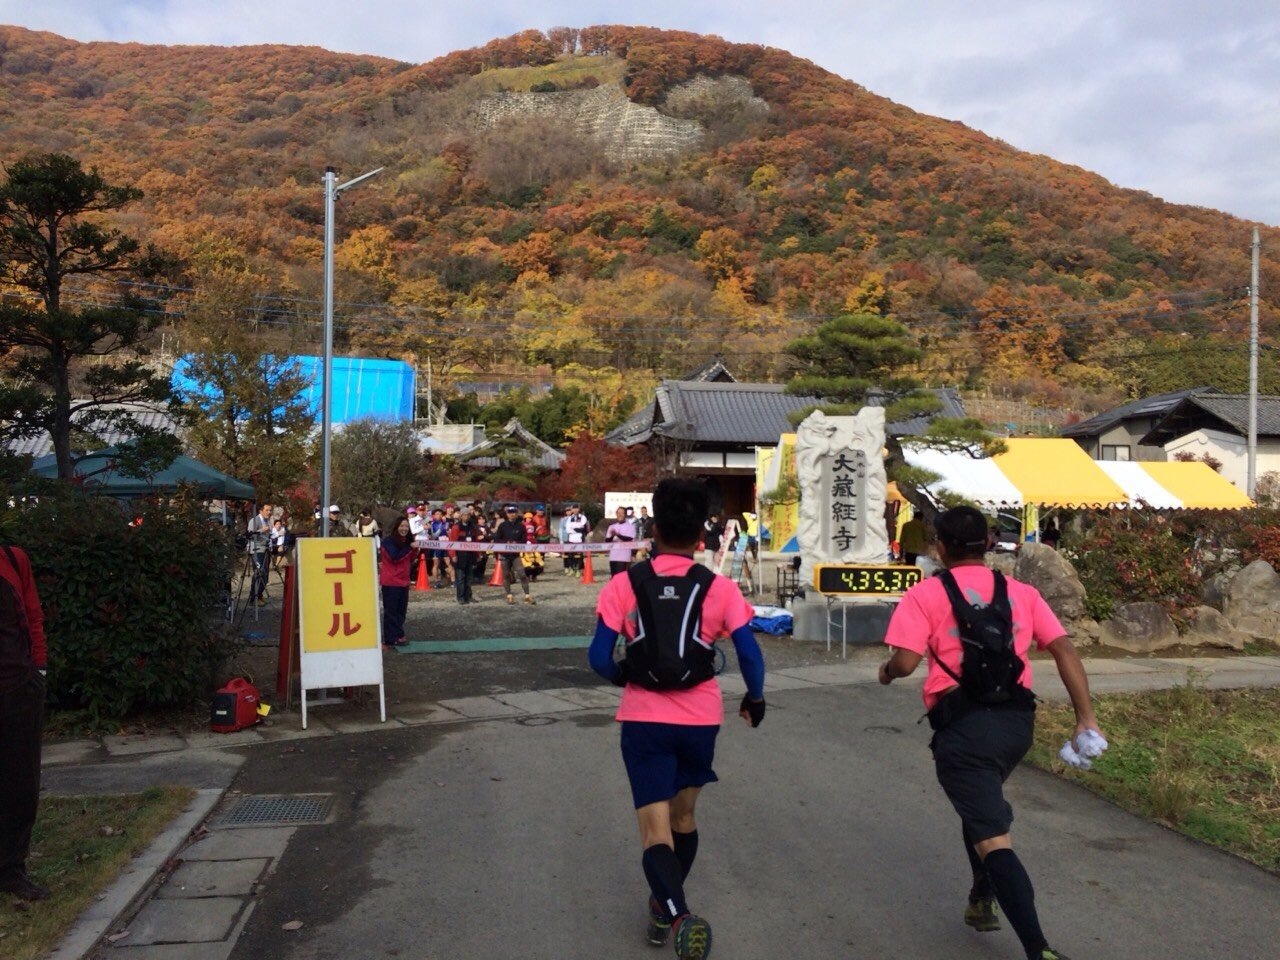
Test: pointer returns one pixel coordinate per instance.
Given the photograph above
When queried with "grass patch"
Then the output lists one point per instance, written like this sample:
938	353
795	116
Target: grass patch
565	72
1204	762
80	845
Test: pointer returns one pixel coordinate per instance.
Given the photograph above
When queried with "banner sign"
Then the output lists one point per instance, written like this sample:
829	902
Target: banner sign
528	547
339	616
633	499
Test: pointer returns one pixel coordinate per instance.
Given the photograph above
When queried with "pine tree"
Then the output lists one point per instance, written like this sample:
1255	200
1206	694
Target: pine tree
49	232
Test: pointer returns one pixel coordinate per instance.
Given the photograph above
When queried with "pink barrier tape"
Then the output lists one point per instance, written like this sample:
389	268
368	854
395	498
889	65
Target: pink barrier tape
529	547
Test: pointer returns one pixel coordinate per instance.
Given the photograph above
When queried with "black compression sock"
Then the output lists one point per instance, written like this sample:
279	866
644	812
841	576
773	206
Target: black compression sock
1017	898
981	889
686	850
662	870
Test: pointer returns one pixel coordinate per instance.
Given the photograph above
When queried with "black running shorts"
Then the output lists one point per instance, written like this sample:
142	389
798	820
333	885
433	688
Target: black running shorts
973	757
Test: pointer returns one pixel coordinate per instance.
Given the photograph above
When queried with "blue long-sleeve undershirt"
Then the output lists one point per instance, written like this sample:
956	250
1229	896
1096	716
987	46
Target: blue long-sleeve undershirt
750	656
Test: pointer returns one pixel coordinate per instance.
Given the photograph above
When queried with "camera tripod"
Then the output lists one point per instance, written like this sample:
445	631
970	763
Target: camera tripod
258	577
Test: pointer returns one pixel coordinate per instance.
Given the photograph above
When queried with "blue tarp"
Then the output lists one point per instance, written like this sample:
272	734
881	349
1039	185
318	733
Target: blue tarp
776	620
362	387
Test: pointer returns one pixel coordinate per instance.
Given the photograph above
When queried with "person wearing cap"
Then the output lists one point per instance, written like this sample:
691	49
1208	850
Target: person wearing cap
976	745
338	524
512	530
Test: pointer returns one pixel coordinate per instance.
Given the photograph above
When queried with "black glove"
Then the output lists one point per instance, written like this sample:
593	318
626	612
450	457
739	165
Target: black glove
752	710
620	678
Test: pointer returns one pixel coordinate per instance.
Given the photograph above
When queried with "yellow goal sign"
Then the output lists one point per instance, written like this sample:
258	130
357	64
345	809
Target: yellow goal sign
339	616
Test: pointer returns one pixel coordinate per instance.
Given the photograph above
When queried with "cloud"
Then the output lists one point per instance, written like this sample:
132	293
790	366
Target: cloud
1177	97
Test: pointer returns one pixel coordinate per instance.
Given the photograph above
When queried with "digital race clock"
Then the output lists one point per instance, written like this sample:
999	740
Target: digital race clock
871	579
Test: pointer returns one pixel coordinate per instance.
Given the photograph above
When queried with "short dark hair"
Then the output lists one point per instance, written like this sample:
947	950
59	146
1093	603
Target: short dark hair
680	506
963	530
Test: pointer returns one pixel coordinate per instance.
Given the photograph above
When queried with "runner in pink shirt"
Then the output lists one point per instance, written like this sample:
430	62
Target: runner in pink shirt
977	743
670	613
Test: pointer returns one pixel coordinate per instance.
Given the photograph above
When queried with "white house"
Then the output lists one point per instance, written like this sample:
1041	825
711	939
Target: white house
1217	425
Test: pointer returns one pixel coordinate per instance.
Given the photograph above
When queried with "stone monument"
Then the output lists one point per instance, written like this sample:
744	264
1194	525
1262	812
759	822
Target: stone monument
840	469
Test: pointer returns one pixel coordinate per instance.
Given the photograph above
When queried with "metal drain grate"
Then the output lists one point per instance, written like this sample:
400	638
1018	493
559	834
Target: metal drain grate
278	811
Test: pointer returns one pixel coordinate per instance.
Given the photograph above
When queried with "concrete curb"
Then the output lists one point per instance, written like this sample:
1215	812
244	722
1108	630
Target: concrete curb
94	923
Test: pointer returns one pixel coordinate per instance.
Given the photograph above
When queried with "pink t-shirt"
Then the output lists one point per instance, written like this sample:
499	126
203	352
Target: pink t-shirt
924	624
624	533
724	610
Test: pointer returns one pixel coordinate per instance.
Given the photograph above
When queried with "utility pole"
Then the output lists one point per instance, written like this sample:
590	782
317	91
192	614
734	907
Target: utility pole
1251	483
331	190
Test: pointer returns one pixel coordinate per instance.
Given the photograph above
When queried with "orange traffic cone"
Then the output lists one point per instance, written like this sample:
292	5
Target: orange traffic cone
586	569
497	580
424	581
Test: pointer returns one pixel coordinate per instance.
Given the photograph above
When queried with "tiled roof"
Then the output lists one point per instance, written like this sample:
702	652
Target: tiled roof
539	453
712	412
713	370
1153	406
1229	410
952	407
150	417
747	414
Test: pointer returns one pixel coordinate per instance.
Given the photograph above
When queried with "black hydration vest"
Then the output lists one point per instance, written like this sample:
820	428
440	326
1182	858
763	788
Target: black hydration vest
989	667
668	652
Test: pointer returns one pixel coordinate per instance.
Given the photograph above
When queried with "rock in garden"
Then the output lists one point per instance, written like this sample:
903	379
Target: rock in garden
1139	628
1209	628
1253	601
1053	575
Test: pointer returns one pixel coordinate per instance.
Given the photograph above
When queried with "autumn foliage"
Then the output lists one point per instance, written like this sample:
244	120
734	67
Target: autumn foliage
593	467
526	242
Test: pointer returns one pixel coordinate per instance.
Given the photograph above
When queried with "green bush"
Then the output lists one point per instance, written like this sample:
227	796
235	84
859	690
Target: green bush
1136	555
130	611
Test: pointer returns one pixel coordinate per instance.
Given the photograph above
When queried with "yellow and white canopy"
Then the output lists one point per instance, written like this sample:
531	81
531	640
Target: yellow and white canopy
1058	473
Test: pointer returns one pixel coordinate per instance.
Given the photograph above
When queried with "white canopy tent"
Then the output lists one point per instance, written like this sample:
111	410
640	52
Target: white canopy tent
1138	485
978	481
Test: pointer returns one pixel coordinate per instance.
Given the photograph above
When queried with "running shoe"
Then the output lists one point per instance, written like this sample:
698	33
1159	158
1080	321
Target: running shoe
659	925
510	598
981	914
1048	954
693	938
529	600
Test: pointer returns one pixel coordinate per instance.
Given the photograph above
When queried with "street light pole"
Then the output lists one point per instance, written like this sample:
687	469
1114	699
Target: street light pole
331	190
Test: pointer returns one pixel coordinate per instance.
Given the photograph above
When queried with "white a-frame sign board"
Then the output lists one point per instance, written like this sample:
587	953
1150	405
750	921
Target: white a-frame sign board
339	617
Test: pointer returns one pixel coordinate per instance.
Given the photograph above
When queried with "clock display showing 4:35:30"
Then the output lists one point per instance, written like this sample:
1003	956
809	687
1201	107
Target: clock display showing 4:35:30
880	580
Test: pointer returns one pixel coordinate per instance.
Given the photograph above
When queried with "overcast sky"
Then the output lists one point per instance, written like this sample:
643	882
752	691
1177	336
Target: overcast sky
1177	97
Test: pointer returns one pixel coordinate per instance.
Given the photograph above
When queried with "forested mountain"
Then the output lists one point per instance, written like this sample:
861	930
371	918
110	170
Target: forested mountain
629	199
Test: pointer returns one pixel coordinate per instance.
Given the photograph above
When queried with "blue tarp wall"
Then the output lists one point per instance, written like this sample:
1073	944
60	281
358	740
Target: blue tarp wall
362	387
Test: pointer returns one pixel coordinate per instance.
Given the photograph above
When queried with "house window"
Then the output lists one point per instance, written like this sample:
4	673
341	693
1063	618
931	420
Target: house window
1119	451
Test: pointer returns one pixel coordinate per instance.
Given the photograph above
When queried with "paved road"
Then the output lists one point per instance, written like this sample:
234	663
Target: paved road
827	837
